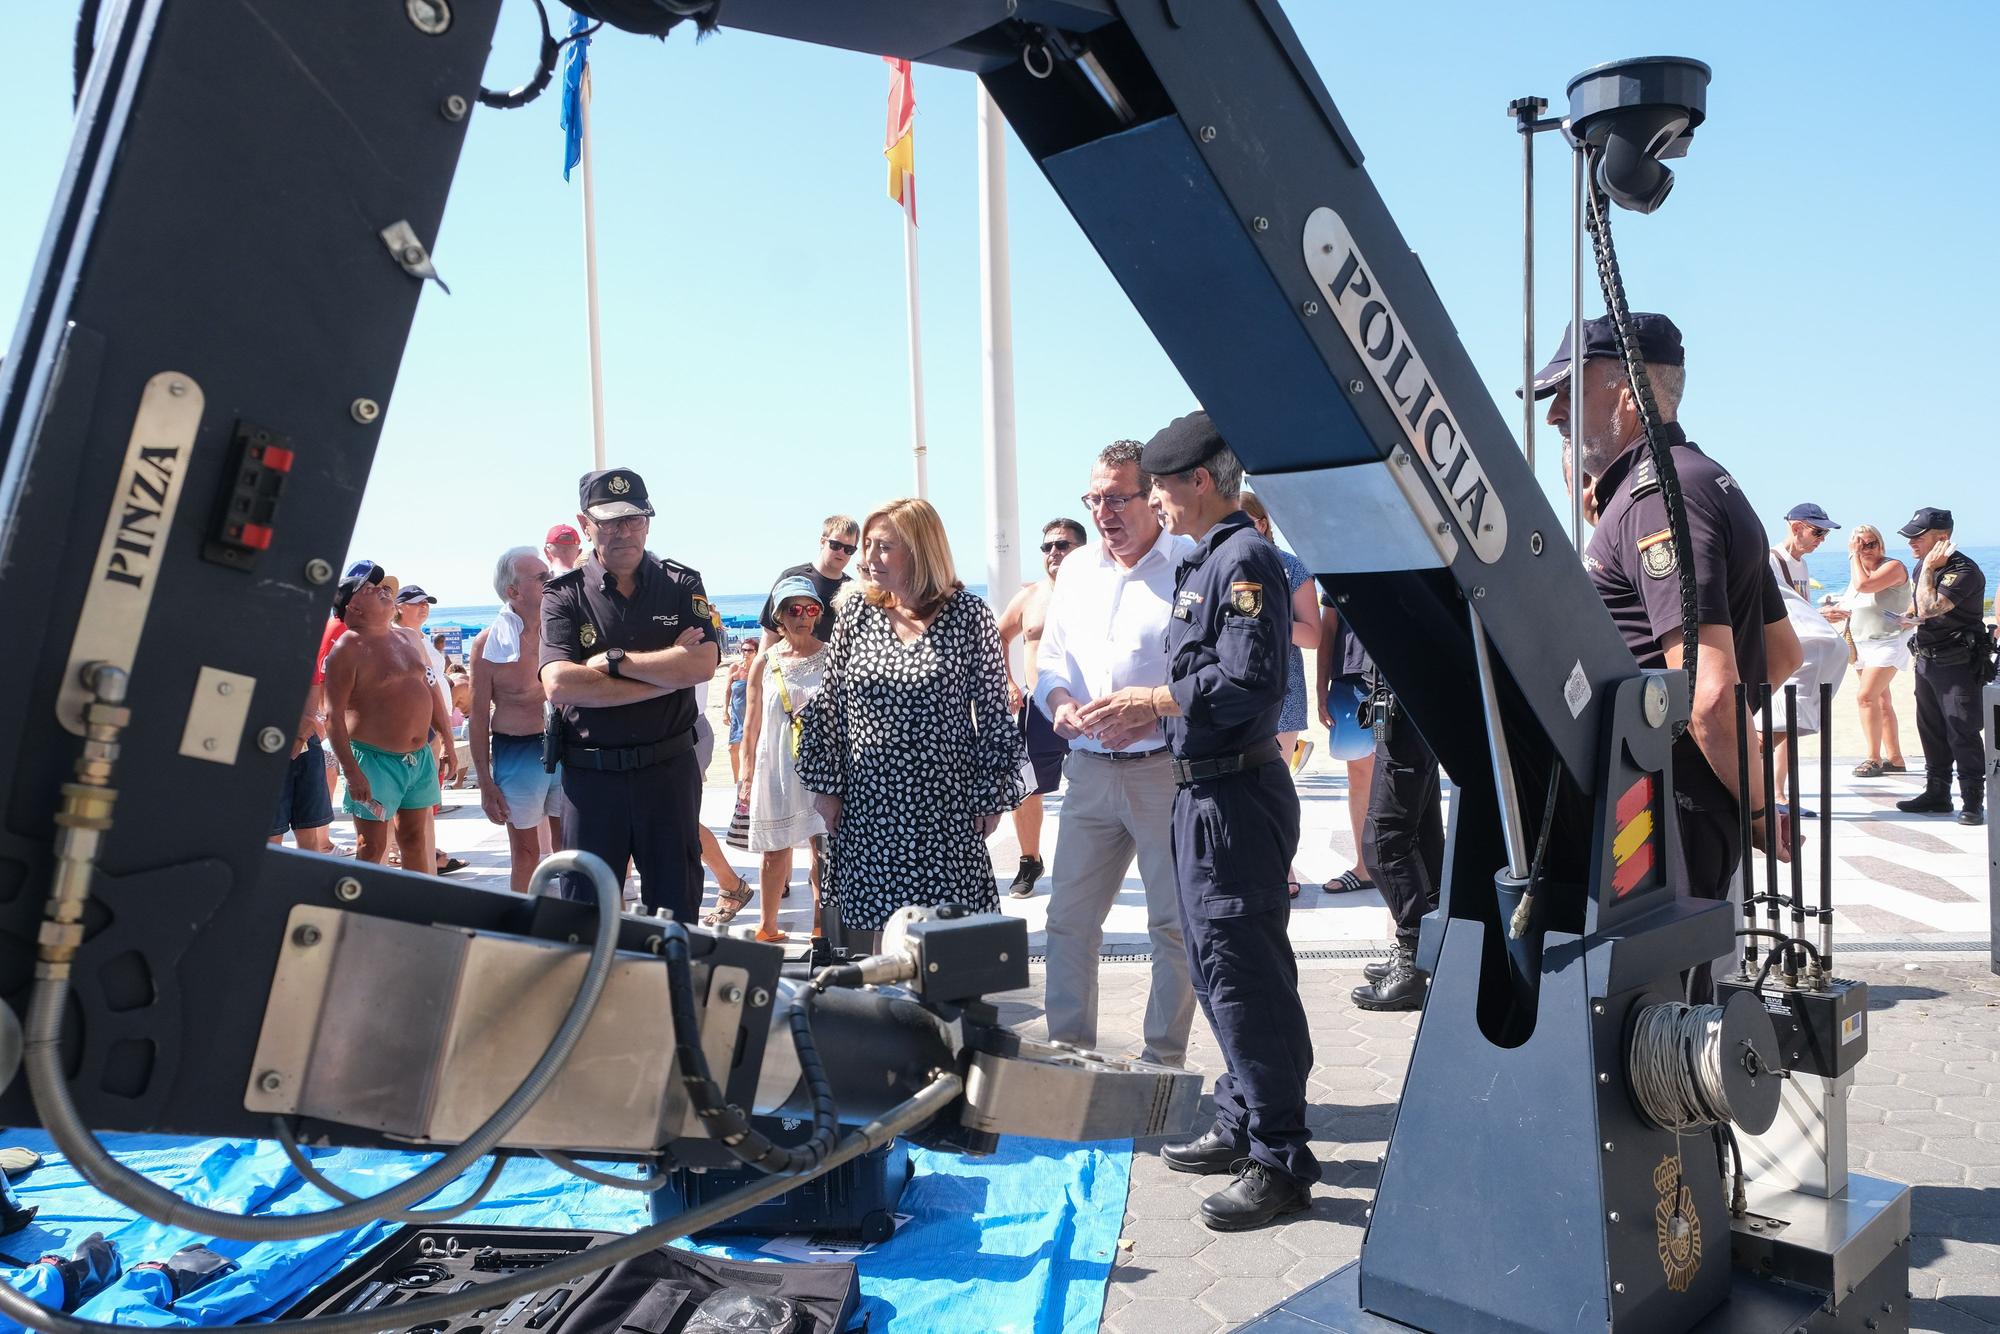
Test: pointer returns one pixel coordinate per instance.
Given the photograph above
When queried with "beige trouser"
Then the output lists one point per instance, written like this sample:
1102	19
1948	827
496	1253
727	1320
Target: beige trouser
1112	808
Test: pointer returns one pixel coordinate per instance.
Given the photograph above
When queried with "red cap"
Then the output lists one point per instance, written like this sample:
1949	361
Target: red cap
562	532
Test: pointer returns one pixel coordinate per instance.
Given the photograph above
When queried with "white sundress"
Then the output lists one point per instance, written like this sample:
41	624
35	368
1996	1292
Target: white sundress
781	810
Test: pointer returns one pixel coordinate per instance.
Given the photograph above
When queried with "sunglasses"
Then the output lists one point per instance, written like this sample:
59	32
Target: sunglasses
1869	545
844	548
1815	530
802	609
1049	548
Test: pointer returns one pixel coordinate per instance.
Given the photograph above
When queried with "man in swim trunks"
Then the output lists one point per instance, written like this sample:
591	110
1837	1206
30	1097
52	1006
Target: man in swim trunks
504	724
1046	750
381	708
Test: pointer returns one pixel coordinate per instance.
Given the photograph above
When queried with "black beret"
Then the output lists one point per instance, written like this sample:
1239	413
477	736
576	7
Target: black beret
1183	443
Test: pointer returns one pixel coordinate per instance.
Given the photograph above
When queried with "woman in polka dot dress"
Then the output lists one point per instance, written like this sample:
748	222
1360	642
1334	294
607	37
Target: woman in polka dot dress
909	742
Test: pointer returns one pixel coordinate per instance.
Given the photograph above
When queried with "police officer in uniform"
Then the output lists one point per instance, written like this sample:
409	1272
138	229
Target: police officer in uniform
1634	562
1953	648
625	637
1402	845
1235	824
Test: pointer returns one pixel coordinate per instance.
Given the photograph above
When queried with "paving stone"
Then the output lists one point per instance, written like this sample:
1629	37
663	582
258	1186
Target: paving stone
1892	1097
1152	1316
1915	1169
1236	1299
1165	1238
1171	1281
1982	1107
1966	1152
1235	1253
1945	1086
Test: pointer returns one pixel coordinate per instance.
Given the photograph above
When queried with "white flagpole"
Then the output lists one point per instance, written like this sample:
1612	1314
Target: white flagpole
996	307
590	277
916	349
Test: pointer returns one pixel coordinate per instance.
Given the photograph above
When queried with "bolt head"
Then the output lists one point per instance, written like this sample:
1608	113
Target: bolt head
177	388
733	995
413	254
270	1081
208	743
224	688
364	410
318	571
270	741
1309	308
1261	224
1534	544
1618	1288
1603	1077
1357	387
1613	1215
1208	134
347	889
306	935
760	998
455	107
1597	1007
1608	1146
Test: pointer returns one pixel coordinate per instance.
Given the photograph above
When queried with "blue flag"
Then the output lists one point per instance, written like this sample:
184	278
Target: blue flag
574	58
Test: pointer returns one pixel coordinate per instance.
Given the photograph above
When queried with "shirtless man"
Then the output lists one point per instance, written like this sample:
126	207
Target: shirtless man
381	708
1024	617
504	724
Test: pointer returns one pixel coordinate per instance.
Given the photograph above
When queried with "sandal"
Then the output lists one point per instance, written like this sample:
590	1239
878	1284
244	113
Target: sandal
1894	767
1292	888
1869	769
1347	882
732	899
768	936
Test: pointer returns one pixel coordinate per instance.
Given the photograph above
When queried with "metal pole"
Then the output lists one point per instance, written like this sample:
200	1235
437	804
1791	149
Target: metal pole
1503	765
1826	831
996	308
1526	112
1578	181
590	277
1773	918
1795	957
917	447
1749	860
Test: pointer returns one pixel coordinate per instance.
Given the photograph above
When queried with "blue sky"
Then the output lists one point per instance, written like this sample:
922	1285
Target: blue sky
1827	251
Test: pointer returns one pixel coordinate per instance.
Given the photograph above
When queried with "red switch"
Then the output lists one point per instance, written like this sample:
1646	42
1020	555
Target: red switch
256	536
277	458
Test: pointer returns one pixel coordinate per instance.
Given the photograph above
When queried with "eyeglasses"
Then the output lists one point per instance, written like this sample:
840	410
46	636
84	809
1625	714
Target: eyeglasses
844	548
1815	530
1049	548
1112	503
802	609
621	523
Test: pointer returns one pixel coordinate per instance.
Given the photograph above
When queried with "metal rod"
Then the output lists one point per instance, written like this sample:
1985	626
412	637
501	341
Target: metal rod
1772	917
1503	766
1525	110
1825	831
1578	180
1794	957
1748	884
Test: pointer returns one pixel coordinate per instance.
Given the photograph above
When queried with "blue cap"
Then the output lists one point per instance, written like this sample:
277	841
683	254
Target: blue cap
1659	342
1926	519
1812	514
794	586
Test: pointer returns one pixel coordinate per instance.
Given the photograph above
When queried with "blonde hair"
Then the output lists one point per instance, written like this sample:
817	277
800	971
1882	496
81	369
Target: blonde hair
933	578
1871	530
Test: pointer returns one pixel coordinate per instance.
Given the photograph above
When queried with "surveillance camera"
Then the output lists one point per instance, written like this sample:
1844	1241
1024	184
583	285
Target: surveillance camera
1634	113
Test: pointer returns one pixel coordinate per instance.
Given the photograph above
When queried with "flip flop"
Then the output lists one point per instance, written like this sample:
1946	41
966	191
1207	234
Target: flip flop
1869	769
452	864
1292	888
1346	883
1892	767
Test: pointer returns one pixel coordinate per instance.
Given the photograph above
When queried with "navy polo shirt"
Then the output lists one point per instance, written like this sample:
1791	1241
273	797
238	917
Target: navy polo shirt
583	614
1227	642
1634	562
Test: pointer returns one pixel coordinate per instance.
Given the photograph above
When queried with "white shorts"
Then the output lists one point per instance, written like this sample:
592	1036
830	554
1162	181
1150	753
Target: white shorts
1890	651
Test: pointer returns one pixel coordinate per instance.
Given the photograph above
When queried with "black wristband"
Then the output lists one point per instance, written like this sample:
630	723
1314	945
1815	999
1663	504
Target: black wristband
1760	813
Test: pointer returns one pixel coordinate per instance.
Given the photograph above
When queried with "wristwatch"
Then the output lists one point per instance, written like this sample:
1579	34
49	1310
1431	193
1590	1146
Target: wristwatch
614	663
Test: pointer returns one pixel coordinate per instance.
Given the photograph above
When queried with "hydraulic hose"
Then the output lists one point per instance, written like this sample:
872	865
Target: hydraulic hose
82	824
927	1103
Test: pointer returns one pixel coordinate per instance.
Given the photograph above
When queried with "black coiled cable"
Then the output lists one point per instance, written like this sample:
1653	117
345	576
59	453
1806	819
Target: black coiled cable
727	1123
1598	222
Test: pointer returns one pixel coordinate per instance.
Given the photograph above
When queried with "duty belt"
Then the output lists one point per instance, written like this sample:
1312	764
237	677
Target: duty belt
618	759
1189	772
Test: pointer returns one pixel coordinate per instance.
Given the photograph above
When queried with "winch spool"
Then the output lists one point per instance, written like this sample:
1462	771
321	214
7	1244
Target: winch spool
1692	1066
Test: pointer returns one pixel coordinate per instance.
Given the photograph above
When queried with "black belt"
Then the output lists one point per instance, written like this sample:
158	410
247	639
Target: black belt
1153	752
1189	772
618	759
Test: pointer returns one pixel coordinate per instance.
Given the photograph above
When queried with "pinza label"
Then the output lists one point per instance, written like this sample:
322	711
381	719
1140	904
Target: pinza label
1380	336
123	577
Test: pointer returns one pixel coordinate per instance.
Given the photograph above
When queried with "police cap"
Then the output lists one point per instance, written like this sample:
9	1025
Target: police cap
1183	443
1659	343
1926	519
614	493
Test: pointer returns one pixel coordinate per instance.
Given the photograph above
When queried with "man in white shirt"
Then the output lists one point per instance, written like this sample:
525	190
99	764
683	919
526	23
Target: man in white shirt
1825	649
1105	630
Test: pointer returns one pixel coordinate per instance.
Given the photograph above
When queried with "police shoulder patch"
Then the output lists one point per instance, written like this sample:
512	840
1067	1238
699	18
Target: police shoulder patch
588	635
1246	598
702	610
1657	554
1948	580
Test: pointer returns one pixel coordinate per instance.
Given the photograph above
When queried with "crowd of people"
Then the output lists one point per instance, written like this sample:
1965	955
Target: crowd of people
880	726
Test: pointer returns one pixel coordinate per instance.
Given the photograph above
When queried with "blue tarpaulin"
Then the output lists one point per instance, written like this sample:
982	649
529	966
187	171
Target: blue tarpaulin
1022	1240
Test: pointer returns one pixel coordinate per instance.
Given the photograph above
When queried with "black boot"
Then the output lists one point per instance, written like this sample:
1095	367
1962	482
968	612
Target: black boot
1025	878
1401	988
1934	800
1378	970
1209	1154
1257	1196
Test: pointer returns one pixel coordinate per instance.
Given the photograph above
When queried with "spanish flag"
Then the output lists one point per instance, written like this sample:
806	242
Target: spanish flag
899	144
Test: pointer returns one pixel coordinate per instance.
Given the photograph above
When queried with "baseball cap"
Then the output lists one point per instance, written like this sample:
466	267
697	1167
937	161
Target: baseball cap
1659	342
615	493
561	534
1183	443
414	593
1926	519
794	586
359	575
1812	514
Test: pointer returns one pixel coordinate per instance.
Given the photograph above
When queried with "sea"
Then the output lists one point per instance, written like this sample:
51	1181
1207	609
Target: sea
1827	566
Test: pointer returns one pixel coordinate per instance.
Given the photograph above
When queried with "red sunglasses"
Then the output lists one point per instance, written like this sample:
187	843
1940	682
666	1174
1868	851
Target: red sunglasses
802	609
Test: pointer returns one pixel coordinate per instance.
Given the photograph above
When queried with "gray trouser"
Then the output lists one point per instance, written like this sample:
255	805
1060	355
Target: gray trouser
1112	809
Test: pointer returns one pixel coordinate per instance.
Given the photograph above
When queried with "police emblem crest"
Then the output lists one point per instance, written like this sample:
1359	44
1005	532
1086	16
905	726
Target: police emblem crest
1676	1225
588	635
1246	598
618	486
1658	556
704	610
